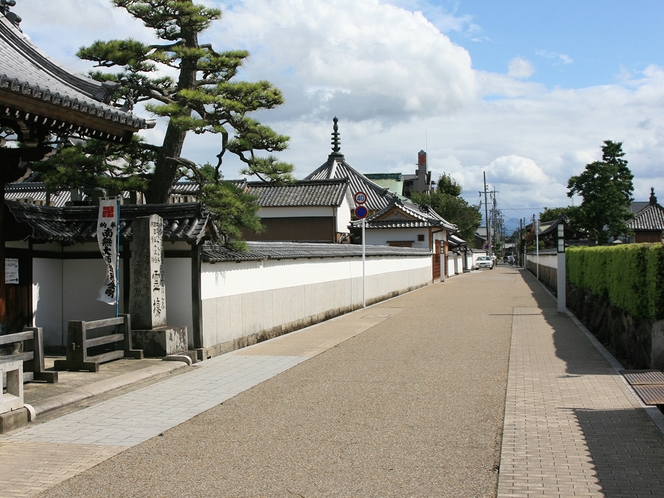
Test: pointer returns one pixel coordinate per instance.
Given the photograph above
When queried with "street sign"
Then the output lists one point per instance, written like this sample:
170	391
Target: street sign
361	212
360	198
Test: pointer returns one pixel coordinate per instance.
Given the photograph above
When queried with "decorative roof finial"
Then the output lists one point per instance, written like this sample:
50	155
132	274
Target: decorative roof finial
4	10
653	199
336	141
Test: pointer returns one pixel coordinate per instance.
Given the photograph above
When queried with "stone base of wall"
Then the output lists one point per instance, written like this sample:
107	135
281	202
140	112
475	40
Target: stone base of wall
638	343
547	275
264	335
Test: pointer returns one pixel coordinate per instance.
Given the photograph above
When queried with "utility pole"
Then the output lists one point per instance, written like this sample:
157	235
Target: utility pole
486	212
519	243
535	220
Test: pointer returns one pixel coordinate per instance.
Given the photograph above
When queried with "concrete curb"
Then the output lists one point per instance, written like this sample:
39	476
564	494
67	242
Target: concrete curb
104	386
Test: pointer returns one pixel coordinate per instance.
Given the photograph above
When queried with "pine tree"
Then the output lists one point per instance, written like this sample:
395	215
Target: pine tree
202	98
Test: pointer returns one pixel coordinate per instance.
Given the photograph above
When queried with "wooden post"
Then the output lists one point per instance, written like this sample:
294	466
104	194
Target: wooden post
3	288
196	304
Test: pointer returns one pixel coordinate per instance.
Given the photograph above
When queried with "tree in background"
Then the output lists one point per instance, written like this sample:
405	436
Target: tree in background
606	187
572	214
446	201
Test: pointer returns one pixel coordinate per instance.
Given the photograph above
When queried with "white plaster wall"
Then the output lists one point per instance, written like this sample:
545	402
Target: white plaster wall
241	299
224	279
380	237
343	214
550	260
457	261
47	300
178	294
81	281
450	265
296	212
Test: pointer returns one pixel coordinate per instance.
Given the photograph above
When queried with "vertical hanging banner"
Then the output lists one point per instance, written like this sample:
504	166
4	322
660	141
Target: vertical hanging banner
107	236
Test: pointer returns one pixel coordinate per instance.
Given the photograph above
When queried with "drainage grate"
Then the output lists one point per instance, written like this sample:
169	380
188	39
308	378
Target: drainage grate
651	395
648	384
643	377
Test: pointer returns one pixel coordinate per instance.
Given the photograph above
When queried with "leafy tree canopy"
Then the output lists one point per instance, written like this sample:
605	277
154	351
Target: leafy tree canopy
446	202
572	213
448	185
201	97
606	187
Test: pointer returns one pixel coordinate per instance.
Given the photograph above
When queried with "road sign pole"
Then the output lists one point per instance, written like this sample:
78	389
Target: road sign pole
364	268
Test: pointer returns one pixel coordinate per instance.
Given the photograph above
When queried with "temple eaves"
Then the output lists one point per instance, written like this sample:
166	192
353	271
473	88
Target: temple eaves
37	94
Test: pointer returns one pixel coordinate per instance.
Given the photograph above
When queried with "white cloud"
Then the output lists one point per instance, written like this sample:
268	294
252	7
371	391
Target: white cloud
360	58
517	170
564	58
520	68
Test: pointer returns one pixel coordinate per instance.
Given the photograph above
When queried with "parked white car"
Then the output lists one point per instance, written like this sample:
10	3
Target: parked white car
484	262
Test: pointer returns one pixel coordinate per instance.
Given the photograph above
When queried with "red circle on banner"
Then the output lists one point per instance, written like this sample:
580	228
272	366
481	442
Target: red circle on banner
361	212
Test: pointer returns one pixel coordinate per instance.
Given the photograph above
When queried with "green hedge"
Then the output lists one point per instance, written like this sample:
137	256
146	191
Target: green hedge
631	276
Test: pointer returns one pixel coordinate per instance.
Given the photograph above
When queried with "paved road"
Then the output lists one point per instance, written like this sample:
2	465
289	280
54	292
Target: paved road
406	398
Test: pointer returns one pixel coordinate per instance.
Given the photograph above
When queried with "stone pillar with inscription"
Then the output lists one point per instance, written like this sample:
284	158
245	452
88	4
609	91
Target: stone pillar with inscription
147	295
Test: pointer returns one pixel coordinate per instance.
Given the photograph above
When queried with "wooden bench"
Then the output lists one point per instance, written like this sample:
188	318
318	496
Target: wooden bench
78	344
31	353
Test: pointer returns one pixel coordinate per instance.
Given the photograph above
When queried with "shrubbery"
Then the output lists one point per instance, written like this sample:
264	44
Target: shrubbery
631	276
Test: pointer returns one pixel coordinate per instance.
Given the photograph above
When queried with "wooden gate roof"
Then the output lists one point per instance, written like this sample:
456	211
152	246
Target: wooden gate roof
190	222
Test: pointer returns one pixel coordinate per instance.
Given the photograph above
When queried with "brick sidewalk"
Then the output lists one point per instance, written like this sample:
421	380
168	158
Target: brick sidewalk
572	426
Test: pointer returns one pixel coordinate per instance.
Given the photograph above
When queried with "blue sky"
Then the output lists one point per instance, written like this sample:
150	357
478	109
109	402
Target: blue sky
572	44
524	91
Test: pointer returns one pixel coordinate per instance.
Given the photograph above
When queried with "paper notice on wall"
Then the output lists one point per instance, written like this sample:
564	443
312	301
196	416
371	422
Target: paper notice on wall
11	271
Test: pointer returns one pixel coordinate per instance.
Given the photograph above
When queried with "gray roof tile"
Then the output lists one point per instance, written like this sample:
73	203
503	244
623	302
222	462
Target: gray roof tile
412	216
28	72
260	251
337	167
650	218
304	193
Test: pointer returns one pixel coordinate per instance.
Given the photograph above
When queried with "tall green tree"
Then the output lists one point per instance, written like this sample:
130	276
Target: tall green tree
606	187
201	98
570	212
446	201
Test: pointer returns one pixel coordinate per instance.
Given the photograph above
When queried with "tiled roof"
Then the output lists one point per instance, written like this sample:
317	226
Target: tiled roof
190	222
650	218
458	241
47	90
35	193
304	193
261	251
405	215
189	187
337	167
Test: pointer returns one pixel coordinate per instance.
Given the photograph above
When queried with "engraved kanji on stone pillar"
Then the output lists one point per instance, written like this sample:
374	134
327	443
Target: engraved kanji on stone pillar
147	295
